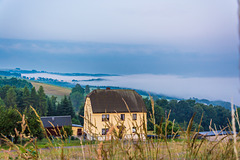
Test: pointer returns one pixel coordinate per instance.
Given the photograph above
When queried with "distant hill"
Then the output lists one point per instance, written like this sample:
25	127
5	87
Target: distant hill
224	104
17	72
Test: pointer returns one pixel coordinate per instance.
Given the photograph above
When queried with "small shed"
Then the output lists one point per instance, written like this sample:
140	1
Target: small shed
77	129
51	122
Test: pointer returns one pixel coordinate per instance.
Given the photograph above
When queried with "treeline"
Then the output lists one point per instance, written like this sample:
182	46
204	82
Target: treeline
20	94
18	83
16	101
6	73
183	110
22	98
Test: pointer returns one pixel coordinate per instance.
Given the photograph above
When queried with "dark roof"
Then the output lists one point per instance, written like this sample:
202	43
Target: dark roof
56	121
111	101
214	133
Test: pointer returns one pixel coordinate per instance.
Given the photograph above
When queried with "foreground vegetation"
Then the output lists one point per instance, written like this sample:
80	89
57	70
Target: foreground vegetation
187	147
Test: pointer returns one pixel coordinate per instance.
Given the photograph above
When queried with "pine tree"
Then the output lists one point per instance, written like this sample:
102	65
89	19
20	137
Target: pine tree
65	107
50	111
52	106
42	102
34	98
70	108
26	97
87	89
11	97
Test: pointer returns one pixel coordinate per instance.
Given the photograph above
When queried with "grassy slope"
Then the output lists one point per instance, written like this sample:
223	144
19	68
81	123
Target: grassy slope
57	91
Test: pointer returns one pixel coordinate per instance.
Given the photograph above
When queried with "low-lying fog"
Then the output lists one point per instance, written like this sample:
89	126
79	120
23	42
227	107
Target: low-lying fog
212	88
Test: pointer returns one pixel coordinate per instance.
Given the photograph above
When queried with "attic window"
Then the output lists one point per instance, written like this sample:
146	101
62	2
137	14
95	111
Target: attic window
122	117
134	116
105	117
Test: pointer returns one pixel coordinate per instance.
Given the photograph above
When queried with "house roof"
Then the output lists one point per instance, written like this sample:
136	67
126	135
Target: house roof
56	121
111	101
77	125
214	133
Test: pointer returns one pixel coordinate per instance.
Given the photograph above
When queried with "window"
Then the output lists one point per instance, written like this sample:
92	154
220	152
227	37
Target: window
105	117
122	117
134	116
104	131
134	130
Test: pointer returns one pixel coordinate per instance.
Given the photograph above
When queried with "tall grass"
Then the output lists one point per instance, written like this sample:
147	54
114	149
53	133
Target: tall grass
188	146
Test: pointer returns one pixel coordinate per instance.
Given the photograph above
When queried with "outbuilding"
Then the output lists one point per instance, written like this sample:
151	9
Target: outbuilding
55	123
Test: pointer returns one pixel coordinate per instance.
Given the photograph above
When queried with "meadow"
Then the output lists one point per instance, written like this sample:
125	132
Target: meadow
186	146
52	90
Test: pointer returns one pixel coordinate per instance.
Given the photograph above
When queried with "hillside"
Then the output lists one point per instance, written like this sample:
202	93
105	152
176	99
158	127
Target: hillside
52	90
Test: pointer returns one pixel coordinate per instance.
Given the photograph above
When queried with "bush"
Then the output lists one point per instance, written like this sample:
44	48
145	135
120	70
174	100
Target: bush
66	131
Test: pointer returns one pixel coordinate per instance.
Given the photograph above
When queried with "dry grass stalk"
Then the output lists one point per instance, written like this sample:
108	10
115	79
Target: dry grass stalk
99	151
234	130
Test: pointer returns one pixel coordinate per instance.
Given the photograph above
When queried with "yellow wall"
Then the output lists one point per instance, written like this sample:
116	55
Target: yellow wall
87	116
75	129
93	119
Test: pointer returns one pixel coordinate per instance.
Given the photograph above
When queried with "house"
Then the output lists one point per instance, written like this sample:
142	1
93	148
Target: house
52	122
77	130
216	135
123	110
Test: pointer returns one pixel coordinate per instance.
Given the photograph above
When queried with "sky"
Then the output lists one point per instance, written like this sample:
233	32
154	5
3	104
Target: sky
184	38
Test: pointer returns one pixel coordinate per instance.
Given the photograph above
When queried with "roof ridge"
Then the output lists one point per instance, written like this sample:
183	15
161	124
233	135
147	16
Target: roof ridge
56	116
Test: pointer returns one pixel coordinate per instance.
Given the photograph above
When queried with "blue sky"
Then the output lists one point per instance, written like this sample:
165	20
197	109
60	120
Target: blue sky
189	38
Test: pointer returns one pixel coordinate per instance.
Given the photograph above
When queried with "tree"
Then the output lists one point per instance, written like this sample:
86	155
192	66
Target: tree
162	102
77	96
2	103
9	119
26	97
52	110
70	108
65	107
66	131
11	98
171	129
158	113
149	114
33	123
87	89
81	114
34	98
42	102
77	99
78	88
3	91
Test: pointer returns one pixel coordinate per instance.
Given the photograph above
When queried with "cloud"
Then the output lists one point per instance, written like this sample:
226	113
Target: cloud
61	47
184	24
